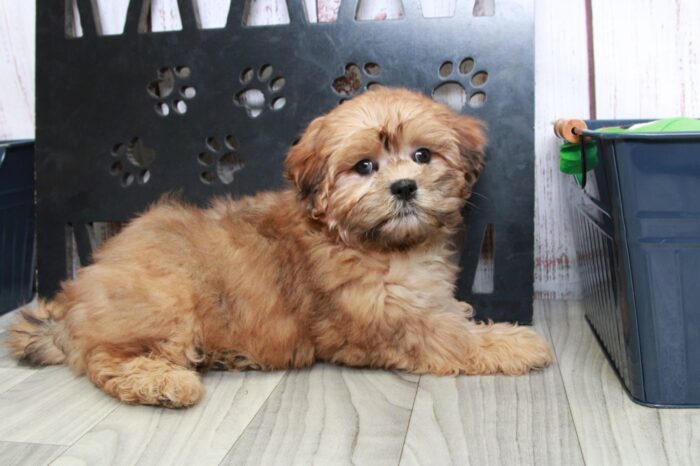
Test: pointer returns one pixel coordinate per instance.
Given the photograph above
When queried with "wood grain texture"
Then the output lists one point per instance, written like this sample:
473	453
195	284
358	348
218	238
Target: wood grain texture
212	14
612	429
379	10
680	433
51	406
28	454
561	77
200	435
110	16
266	12
165	16
17	69
327	10
11	377
330	415
493	420
437	8
334	415
311	10
647	58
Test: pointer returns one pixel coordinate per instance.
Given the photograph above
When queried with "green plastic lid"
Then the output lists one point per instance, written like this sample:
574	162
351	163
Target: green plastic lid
570	154
667	125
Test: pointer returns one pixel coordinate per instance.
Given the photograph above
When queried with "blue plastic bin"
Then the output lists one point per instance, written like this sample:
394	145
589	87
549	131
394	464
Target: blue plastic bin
17	258
637	233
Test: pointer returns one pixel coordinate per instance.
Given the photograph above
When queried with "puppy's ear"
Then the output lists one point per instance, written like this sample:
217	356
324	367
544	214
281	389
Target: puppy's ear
306	169
471	133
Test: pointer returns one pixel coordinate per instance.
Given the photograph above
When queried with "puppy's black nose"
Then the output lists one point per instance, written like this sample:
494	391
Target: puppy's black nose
404	189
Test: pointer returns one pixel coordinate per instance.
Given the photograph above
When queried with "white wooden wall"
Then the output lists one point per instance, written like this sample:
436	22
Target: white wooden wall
16	69
646	55
561	90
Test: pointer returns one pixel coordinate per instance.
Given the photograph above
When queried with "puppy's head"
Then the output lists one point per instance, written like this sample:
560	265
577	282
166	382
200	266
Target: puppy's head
388	169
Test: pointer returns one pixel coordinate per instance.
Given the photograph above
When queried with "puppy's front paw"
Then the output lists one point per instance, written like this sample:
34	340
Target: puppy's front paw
172	388
512	350
182	388
530	352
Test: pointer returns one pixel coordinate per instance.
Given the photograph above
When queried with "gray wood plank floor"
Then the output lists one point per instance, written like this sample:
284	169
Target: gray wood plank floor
29	454
493	420
575	412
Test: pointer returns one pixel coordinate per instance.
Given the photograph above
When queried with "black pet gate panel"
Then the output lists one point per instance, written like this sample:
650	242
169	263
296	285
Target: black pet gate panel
123	119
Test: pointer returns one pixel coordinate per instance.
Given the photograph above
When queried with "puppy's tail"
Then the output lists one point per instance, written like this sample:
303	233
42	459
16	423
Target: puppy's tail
36	336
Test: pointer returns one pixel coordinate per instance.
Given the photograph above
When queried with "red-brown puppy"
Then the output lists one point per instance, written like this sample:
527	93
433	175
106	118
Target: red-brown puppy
350	264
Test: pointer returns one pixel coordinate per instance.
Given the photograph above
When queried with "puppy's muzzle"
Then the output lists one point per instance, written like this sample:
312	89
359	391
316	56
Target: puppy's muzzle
404	189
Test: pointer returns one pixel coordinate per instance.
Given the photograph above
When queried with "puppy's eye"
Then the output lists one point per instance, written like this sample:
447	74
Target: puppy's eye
366	167
422	155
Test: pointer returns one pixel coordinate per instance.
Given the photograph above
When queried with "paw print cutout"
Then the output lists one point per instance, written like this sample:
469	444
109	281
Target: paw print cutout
259	89
133	161
350	83
461	85
172	90
221	161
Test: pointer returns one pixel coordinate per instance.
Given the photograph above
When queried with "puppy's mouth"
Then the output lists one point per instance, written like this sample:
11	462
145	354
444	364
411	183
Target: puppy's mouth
404	213
403	227
407	209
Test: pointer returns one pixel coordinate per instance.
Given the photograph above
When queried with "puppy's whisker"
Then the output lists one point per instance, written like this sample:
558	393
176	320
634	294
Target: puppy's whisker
472	205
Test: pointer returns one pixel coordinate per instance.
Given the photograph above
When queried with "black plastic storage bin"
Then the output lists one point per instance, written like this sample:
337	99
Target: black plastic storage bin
17	257
637	232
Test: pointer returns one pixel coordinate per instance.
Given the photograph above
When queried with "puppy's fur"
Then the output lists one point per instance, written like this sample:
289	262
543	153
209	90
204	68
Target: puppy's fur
335	268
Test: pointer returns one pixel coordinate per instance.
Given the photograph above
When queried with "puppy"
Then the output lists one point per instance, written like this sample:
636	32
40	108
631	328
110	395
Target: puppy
351	264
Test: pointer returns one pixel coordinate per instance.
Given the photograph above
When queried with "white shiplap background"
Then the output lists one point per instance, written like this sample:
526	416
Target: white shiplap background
646	62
